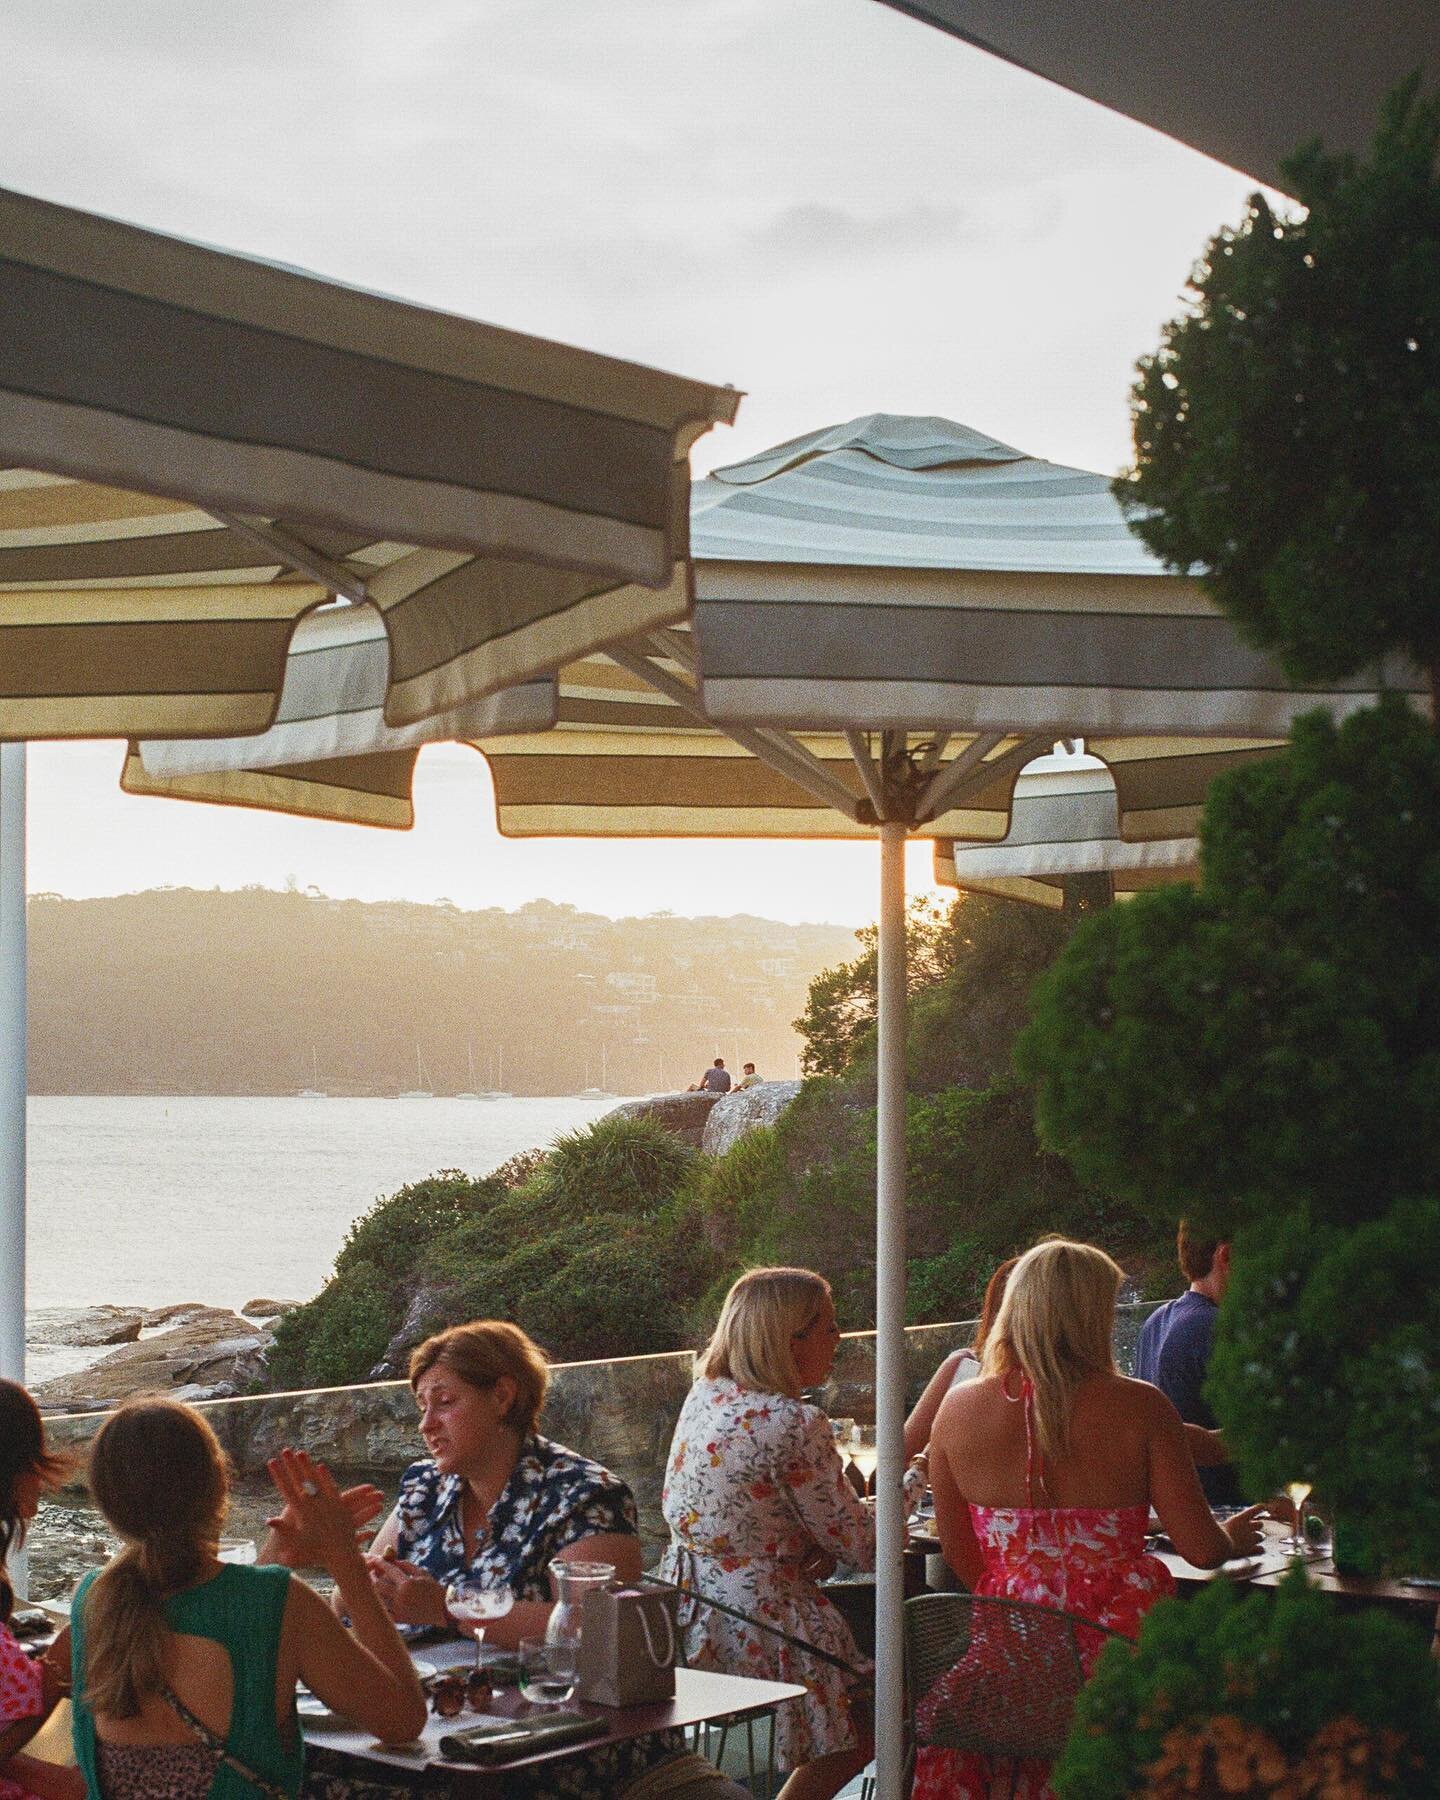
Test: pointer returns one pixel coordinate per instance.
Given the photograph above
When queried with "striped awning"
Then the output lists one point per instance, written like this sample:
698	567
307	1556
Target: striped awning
197	448
1064	823
891	618
1246	84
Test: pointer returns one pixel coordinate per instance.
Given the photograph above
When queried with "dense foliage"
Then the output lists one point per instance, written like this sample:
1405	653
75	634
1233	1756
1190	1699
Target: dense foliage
1287	431
1266	1695
1272	1037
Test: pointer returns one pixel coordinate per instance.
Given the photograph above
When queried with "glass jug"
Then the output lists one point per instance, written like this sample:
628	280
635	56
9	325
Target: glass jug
573	1581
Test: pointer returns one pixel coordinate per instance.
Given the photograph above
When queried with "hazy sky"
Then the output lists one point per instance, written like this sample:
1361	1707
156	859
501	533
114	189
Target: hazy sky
828	204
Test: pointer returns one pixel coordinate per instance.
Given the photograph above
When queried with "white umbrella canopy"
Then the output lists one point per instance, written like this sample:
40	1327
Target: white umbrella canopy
891	619
1064	832
1245	84
196	448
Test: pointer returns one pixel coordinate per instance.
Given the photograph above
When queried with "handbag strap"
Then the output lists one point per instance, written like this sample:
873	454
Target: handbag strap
734	1612
212	1740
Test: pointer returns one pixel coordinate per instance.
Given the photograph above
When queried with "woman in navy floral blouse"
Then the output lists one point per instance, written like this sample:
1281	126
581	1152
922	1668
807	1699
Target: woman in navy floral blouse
494	1498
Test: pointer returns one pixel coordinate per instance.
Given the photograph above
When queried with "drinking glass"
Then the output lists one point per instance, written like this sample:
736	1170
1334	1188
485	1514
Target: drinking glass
547	1671
236	1550
473	1602
864	1453
1297	1544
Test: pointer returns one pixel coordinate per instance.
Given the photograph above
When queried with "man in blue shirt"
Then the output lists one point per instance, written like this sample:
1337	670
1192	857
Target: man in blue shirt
1175	1344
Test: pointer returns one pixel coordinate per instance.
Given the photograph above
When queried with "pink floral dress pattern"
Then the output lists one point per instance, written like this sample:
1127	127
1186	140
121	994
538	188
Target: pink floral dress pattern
753	1485
1090	1561
22	1696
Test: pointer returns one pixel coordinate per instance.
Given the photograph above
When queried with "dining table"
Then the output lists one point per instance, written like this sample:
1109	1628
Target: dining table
702	1698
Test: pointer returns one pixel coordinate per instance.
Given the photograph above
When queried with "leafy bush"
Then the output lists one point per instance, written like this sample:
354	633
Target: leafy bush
1269	1694
388	1238
616	1165
1324	1370
1285	430
337	1338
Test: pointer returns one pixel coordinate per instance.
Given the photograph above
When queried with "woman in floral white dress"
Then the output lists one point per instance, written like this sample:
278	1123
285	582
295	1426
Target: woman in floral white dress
759	1511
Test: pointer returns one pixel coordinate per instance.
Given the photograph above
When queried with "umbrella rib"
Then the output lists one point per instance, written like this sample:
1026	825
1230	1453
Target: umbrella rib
869	774
296	554
780	753
970	770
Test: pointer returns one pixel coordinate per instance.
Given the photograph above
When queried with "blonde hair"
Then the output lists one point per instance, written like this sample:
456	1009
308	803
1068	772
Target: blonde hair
763	1311
483	1351
158	1474
1056	1325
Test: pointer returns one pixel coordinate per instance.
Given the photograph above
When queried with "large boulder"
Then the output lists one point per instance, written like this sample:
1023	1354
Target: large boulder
83	1327
736	1113
210	1353
684	1114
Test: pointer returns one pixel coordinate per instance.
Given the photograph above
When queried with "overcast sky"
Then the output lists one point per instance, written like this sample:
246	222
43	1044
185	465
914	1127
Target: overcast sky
828	204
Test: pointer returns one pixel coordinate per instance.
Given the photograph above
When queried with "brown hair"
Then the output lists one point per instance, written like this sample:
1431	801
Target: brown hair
480	1353
22	1452
763	1311
990	1306
158	1474
1056	1326
1196	1254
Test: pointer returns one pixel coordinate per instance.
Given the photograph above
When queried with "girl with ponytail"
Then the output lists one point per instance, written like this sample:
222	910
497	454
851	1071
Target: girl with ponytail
185	1668
28	1690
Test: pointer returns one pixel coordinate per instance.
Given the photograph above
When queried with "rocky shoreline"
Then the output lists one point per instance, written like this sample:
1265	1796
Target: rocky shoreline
188	1350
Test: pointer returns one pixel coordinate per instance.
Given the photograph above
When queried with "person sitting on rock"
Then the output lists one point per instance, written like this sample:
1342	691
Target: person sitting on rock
715	1080
748	1078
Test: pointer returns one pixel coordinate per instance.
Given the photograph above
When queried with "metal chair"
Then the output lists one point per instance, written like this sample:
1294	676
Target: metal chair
994	1676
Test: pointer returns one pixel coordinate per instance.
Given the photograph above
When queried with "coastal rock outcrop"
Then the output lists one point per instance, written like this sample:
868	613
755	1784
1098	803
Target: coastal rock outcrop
267	1309
734	1114
84	1327
209	1353
684	1114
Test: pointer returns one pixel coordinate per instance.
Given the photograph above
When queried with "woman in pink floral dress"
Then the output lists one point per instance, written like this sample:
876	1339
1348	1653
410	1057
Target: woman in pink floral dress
28	1690
1044	1470
759	1511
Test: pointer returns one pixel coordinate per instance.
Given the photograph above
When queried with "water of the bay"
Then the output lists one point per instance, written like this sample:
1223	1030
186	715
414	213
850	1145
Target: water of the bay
147	1200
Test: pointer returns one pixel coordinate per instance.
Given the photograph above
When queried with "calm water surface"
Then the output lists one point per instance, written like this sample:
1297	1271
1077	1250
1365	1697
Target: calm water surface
142	1201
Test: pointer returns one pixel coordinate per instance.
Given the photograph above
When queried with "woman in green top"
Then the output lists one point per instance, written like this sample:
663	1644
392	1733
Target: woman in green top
185	1667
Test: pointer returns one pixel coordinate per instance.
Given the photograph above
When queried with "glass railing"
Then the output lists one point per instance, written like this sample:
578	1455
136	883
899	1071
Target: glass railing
621	1412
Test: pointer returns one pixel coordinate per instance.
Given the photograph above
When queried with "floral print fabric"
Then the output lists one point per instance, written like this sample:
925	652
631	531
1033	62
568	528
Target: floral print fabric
553	1499
22	1696
1090	1561
753	1485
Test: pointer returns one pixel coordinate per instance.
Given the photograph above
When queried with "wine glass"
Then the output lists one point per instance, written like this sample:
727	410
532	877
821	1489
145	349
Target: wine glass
1297	1544
547	1671
864	1453
473	1602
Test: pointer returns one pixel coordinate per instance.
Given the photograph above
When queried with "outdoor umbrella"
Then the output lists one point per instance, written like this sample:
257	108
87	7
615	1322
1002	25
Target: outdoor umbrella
1245	84
197	448
1064	844
891	618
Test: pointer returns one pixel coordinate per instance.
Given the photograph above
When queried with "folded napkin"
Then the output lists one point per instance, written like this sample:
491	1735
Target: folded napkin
498	1739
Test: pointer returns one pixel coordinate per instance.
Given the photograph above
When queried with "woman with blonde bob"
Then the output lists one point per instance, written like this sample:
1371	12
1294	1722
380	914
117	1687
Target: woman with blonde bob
1045	1469
184	1667
759	1511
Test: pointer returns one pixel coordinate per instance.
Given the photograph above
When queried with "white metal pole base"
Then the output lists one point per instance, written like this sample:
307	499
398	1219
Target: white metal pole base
890	1321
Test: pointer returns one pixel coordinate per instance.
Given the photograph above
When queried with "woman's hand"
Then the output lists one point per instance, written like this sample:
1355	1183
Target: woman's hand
55	1672
318	1525
1244	1530
286	1541
409	1595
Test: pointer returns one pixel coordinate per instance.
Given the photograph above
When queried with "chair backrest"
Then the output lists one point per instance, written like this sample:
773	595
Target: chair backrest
995	1676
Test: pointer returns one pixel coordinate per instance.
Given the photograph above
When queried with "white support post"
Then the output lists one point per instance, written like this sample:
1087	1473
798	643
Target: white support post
890	1322
12	1061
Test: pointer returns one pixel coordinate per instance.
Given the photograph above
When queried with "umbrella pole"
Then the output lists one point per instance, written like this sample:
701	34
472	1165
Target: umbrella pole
12	1061
890	1320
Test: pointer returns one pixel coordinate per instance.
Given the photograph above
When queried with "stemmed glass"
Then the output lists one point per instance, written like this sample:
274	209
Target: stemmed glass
473	1602
1297	1544
864	1453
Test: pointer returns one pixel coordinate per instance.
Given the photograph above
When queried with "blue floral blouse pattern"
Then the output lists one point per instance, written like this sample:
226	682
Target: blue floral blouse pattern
553	1499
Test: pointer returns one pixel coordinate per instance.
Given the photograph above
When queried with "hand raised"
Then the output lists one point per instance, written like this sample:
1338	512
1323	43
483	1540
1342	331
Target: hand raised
318	1521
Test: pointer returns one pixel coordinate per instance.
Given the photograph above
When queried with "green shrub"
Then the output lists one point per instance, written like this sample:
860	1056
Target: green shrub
337	1338
617	1165
1268	1676
388	1239
1324	1370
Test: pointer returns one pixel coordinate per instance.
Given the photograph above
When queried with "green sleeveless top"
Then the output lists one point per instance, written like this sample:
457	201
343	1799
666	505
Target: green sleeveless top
243	1608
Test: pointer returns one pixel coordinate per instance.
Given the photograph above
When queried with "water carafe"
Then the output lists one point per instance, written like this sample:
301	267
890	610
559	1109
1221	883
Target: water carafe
573	1581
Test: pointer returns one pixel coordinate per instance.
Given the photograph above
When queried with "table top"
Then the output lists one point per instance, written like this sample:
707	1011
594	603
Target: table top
699	1696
